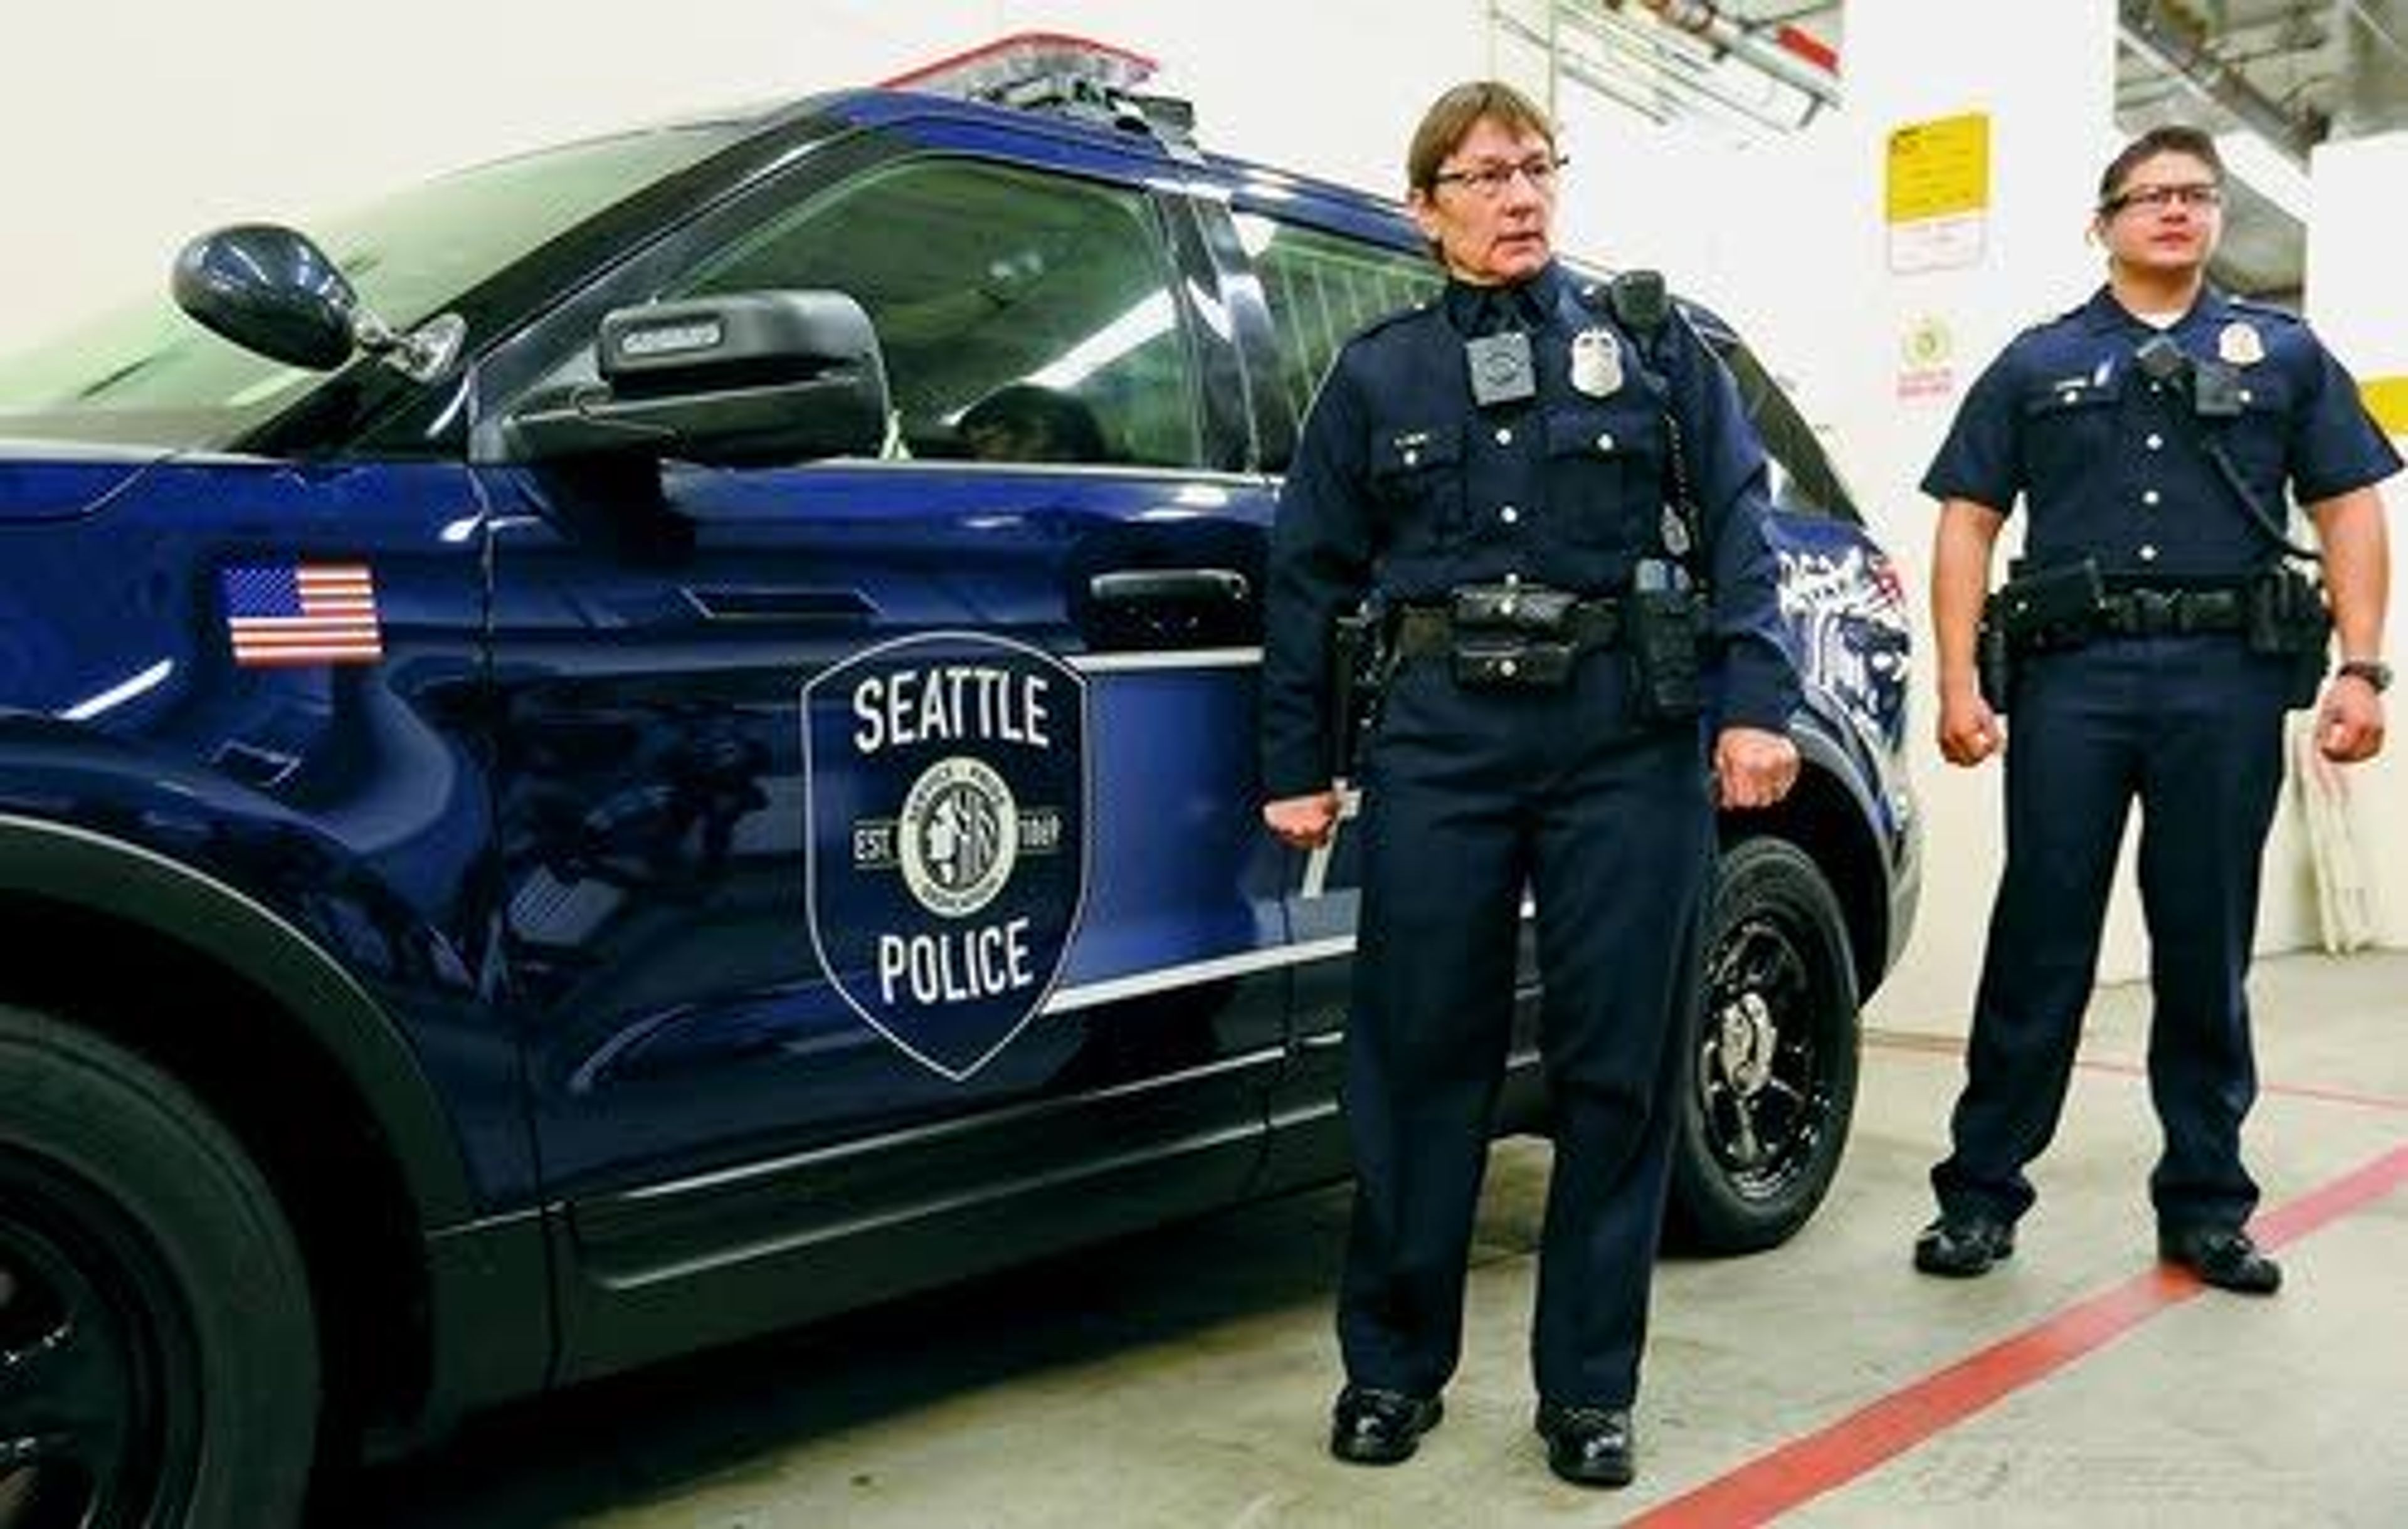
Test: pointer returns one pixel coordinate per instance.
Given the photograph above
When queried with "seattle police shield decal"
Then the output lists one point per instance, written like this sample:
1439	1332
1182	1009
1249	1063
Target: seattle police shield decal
946	788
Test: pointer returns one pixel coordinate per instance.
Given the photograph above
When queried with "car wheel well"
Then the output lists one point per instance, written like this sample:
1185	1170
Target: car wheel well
1821	818
308	1129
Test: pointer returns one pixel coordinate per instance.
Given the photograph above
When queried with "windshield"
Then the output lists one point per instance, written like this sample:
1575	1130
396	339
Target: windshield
146	373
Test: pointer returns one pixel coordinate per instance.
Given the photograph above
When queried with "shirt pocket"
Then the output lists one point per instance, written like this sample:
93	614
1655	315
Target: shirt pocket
1416	476
2259	437
1605	472
2070	430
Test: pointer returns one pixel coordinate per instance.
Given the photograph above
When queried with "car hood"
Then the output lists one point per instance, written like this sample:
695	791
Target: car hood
48	481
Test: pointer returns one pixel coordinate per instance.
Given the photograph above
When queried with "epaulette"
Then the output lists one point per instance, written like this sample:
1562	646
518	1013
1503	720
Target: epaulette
2256	308
1415	309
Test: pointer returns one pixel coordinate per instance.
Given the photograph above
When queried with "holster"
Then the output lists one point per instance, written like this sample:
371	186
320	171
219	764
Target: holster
1358	674
1994	662
2044	608
2287	618
2034	611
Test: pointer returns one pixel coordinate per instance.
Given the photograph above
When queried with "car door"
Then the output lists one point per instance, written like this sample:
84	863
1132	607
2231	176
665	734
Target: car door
883	886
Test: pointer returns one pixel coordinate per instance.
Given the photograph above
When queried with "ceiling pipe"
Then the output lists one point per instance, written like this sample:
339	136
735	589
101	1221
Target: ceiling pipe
1791	57
2152	29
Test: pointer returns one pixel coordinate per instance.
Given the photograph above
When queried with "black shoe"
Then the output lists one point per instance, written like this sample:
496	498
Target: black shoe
1589	1446
2222	1256
1373	1427
1961	1246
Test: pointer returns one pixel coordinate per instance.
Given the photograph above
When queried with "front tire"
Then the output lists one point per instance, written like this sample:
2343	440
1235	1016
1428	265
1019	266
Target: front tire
1772	1082
156	1327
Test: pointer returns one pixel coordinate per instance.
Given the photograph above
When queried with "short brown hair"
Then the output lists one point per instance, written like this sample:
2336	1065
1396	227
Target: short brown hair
1452	116
2171	139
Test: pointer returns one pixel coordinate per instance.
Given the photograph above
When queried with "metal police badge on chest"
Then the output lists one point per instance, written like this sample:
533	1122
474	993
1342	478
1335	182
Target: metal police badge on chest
2239	343
1501	372
1597	362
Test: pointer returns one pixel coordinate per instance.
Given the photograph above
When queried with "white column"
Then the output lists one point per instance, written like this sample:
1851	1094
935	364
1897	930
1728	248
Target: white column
2043	74
2352	300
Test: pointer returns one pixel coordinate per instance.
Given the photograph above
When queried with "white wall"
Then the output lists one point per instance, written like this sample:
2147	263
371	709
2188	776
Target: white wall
276	109
128	126
2353	300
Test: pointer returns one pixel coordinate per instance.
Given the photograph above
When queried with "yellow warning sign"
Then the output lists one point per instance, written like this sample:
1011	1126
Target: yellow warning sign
1939	169
2387	399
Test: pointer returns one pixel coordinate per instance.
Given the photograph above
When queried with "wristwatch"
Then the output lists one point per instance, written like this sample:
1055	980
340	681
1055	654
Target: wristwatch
2376	673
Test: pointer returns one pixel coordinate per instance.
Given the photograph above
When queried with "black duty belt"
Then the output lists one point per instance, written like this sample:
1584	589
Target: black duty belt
1423	631
2157	612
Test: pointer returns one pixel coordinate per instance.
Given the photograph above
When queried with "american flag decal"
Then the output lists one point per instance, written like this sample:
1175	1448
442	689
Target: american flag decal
301	613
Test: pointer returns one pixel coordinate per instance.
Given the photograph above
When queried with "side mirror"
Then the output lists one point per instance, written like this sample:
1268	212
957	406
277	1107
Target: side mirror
735	381
270	289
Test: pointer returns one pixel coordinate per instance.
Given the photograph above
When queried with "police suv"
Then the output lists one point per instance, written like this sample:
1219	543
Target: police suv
656	739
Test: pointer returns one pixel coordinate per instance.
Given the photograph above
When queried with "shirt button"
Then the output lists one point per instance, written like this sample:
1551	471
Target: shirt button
1509	515
2156	443
2148	554
2245	395
1512	580
2150	497
1605	440
1413	459
1504	435
1508	668
2157	386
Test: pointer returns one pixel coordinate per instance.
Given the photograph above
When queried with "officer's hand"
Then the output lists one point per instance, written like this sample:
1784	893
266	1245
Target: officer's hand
2349	725
1969	729
1302	822
1753	767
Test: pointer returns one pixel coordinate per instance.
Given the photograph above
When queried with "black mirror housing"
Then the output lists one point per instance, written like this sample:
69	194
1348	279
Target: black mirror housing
734	381
270	289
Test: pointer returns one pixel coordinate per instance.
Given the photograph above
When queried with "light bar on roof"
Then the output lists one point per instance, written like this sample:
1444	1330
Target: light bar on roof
992	71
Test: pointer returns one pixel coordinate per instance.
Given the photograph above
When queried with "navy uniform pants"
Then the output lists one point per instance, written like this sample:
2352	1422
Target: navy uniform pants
1471	798
2191	727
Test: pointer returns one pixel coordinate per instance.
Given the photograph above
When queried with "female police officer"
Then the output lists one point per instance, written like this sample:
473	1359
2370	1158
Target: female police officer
2151	433
1489	471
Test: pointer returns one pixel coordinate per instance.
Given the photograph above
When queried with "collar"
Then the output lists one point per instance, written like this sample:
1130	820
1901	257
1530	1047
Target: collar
1530	302
2104	314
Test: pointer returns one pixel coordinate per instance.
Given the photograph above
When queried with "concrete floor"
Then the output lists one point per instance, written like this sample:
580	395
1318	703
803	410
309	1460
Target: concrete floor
1183	1379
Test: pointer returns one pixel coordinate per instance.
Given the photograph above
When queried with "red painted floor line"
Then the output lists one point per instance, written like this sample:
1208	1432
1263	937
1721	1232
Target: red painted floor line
1807	1468
1953	1047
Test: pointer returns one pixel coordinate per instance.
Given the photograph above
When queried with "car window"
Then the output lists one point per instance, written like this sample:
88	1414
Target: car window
147	373
1022	317
1804	482
1321	288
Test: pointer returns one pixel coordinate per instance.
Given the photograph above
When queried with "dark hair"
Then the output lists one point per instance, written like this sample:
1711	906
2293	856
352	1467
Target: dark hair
1452	116
2171	139
1060	427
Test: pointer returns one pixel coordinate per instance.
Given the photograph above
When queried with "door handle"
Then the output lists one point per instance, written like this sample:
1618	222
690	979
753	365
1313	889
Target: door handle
1170	586
770	603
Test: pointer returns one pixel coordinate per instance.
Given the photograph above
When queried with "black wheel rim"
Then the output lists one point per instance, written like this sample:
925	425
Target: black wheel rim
93	1342
1761	1079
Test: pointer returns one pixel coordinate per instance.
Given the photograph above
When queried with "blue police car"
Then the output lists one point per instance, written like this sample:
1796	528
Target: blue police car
655	739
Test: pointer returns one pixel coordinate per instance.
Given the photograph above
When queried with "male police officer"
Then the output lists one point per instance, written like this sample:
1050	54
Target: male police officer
1490	472
2155	638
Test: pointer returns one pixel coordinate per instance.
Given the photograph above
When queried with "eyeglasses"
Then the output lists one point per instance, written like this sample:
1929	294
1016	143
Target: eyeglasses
2158	198
1488	181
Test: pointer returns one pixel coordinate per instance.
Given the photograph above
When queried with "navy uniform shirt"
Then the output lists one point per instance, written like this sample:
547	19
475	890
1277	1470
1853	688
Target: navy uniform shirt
1403	487
2110	464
